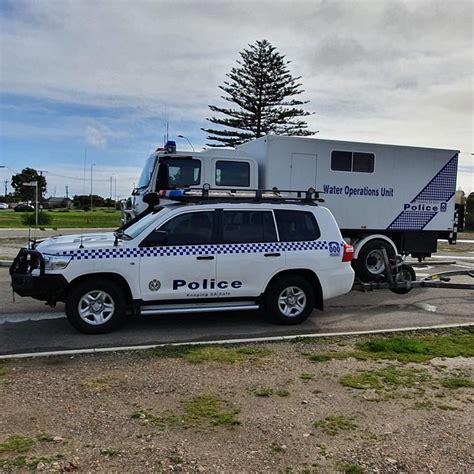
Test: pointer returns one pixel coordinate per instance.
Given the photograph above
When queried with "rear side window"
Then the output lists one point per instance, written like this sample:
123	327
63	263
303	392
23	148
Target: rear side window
297	226
248	227
232	173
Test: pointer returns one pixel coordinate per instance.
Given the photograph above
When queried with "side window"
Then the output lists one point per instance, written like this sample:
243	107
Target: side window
248	227
193	228
232	173
296	226
352	161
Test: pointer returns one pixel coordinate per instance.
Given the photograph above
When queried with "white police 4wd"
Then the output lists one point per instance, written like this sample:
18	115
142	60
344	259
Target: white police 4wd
206	253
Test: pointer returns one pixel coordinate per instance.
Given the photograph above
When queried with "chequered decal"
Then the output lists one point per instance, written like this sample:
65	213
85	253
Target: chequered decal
197	250
441	188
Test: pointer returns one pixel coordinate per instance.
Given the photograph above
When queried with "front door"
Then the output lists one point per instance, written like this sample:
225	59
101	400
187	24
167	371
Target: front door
303	171
185	266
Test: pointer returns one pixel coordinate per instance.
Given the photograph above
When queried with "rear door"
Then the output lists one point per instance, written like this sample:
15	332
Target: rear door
249	253
303	171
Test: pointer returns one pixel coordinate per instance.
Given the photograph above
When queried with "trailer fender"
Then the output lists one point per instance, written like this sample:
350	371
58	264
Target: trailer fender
358	244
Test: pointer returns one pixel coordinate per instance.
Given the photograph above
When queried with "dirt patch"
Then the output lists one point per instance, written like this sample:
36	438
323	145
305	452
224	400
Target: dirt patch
258	408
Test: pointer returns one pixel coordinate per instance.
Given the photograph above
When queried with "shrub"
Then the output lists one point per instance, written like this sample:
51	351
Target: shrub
30	219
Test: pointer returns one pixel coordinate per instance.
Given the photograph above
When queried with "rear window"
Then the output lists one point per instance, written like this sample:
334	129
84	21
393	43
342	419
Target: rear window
296	226
248	227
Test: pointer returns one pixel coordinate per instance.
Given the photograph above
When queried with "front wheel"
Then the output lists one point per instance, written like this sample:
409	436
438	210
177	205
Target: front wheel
96	307
289	300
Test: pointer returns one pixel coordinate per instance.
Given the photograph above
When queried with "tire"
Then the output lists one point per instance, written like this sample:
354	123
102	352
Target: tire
299	290
110	310
406	274
369	265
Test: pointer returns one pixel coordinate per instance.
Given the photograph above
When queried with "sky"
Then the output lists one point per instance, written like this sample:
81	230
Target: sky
88	83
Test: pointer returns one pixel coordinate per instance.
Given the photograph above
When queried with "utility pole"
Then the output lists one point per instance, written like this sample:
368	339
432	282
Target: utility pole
110	197
67	191
92	166
6	189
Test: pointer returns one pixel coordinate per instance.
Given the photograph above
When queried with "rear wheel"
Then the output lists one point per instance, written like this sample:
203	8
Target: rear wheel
370	265
96	307
289	300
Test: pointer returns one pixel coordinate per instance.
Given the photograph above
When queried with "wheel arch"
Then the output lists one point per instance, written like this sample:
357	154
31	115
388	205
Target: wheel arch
310	275
358	243
108	276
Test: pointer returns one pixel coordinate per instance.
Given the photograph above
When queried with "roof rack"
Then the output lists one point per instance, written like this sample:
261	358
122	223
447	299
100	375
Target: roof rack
245	195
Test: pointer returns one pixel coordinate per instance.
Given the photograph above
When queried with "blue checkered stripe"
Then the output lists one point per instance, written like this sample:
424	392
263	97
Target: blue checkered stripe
178	250
441	188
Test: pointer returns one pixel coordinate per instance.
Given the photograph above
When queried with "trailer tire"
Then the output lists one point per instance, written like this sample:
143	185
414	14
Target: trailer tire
369	265
289	300
406	274
95	306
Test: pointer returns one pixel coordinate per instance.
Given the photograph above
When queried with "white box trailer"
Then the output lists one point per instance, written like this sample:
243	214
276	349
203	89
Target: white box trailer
400	198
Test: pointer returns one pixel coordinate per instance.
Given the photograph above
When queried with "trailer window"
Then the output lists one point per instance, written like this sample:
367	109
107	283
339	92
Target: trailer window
184	172
297	226
242	227
232	173
352	161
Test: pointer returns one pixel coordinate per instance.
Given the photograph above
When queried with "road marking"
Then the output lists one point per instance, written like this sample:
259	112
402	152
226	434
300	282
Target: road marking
23	317
426	307
99	350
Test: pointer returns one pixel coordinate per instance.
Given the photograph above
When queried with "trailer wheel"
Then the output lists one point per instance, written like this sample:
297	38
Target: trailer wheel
369	265
96	306
406	274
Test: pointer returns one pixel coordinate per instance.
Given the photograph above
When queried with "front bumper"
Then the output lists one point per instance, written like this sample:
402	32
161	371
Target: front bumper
28	278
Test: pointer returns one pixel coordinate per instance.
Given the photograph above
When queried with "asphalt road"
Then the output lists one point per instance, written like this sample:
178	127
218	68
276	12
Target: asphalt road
29	326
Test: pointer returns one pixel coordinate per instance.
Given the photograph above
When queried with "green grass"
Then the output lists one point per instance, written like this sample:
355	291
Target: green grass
333	425
64	220
386	378
22	444
454	383
349	468
201	411
31	463
263	392
200	354
406	349
306	377
17	444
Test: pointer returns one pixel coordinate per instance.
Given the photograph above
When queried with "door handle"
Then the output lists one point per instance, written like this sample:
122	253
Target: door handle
205	257
272	254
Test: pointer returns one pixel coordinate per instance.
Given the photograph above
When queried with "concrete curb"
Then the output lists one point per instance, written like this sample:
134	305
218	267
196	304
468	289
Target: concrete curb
5	263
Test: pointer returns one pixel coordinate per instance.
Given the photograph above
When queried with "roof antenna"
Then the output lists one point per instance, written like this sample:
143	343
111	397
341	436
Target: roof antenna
81	246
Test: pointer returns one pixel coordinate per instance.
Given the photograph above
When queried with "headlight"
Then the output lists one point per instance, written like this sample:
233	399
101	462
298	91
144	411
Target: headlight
56	262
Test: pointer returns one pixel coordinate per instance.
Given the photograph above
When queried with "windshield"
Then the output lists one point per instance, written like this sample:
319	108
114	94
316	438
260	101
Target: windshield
136	229
147	171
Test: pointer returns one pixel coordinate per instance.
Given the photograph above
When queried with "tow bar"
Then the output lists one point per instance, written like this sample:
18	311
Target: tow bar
401	278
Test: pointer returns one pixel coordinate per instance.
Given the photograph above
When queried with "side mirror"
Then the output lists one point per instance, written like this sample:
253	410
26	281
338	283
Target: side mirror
155	239
152	199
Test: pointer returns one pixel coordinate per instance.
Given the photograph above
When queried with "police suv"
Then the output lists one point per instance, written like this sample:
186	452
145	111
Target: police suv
201	251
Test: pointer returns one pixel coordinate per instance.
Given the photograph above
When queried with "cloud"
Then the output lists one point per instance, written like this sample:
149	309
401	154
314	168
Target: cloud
95	137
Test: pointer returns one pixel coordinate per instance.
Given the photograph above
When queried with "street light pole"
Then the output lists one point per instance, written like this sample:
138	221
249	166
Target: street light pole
92	165
187	139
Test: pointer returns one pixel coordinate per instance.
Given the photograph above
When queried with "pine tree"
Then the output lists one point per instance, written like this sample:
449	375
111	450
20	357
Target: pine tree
263	91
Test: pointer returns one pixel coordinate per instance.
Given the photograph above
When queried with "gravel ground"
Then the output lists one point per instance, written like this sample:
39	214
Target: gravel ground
138	412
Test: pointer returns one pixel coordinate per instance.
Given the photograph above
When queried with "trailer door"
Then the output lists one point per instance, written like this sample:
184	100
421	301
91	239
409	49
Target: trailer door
303	171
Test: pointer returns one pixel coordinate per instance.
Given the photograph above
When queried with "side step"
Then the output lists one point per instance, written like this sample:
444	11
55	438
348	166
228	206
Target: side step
198	307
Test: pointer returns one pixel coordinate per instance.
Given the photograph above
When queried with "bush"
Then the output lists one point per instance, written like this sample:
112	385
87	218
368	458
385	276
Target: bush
30	219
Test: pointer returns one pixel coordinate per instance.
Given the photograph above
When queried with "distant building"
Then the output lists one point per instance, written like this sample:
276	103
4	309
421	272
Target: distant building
57	202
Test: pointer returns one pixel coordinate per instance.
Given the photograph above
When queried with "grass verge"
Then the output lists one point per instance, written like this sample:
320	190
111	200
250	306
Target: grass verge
405	349
333	425
200	354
